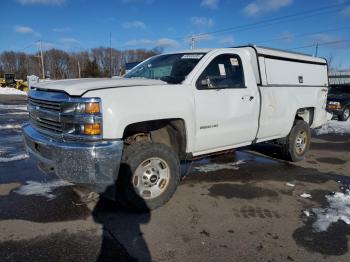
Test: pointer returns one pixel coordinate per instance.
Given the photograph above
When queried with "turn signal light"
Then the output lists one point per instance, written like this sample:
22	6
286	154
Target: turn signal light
92	129
92	108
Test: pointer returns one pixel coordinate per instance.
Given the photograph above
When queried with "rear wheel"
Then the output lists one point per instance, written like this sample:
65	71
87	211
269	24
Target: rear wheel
345	114
149	175
297	143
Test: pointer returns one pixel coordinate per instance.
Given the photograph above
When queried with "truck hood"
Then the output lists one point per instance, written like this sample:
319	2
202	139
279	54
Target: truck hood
77	87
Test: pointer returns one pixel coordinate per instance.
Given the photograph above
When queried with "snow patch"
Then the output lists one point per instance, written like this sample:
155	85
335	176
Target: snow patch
333	127
339	209
14	158
16	113
215	167
14	107
41	189
11	91
9	126
305	195
306	213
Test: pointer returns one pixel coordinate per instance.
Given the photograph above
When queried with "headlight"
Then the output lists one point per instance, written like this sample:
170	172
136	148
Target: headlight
88	108
88	118
91	129
334	105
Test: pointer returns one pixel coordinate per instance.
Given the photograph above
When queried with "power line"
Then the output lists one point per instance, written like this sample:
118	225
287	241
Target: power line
303	35
272	21
321	44
26	47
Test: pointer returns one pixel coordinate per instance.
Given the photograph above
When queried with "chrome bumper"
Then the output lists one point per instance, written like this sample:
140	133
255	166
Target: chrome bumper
94	165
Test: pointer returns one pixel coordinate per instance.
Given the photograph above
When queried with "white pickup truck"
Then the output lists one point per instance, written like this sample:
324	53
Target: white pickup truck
130	134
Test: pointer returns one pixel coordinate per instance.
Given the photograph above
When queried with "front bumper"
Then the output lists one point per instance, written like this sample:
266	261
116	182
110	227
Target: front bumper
336	112
92	164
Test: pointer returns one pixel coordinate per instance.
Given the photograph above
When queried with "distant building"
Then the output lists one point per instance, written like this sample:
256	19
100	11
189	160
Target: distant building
339	78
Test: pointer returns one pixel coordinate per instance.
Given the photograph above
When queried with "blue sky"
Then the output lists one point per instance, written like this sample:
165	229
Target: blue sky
75	25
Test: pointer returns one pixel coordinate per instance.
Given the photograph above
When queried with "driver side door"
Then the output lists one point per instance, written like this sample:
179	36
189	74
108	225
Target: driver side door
226	105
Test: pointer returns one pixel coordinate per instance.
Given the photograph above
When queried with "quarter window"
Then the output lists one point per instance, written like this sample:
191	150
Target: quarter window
225	71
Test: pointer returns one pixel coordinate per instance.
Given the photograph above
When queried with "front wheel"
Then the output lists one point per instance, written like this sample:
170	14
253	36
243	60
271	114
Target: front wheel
297	143
149	175
345	114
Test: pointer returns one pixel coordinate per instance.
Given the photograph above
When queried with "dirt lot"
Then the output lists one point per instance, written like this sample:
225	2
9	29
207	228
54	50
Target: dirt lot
236	207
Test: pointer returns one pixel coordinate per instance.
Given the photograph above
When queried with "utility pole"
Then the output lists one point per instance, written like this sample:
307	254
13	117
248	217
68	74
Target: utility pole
193	39
79	74
316	49
42	59
110	54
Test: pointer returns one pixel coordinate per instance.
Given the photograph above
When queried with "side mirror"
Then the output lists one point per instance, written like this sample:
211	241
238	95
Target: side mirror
207	83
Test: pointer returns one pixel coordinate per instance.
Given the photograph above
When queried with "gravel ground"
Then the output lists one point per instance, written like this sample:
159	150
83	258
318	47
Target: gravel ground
245	206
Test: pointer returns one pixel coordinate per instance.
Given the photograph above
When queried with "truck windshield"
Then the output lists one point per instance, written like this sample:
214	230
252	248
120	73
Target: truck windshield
172	68
340	90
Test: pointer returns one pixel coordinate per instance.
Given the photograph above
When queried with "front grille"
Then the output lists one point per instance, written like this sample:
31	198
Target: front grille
56	114
44	115
46	124
48	105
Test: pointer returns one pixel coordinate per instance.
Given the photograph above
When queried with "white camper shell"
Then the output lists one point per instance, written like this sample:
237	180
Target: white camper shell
283	68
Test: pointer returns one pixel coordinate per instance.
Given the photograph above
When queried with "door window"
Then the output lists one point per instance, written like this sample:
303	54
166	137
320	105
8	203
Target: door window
225	71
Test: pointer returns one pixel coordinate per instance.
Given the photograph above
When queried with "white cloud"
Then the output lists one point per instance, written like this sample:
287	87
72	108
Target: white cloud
287	37
25	30
61	29
202	21
167	43
258	7
329	40
324	38
134	24
227	41
69	41
137	1
346	12
212	4
162	42
42	2
139	42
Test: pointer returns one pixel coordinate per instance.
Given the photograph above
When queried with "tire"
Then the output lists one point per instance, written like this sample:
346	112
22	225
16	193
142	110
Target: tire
148	177
345	114
297	143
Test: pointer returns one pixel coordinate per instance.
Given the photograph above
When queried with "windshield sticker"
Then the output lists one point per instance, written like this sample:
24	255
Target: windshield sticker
234	61
222	69
192	56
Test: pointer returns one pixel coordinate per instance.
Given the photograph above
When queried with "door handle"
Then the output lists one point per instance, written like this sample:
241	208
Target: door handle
247	97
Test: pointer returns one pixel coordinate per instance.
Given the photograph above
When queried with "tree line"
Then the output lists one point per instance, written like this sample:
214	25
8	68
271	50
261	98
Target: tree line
59	64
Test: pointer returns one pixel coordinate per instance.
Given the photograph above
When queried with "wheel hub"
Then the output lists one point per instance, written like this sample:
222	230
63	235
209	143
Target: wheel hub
301	142
151	177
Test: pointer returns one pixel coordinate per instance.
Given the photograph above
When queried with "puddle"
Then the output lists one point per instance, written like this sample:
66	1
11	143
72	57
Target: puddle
39	209
65	246
327	228
333	242
249	157
9	126
245	191
14	107
14	158
331	160
41	189
216	167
